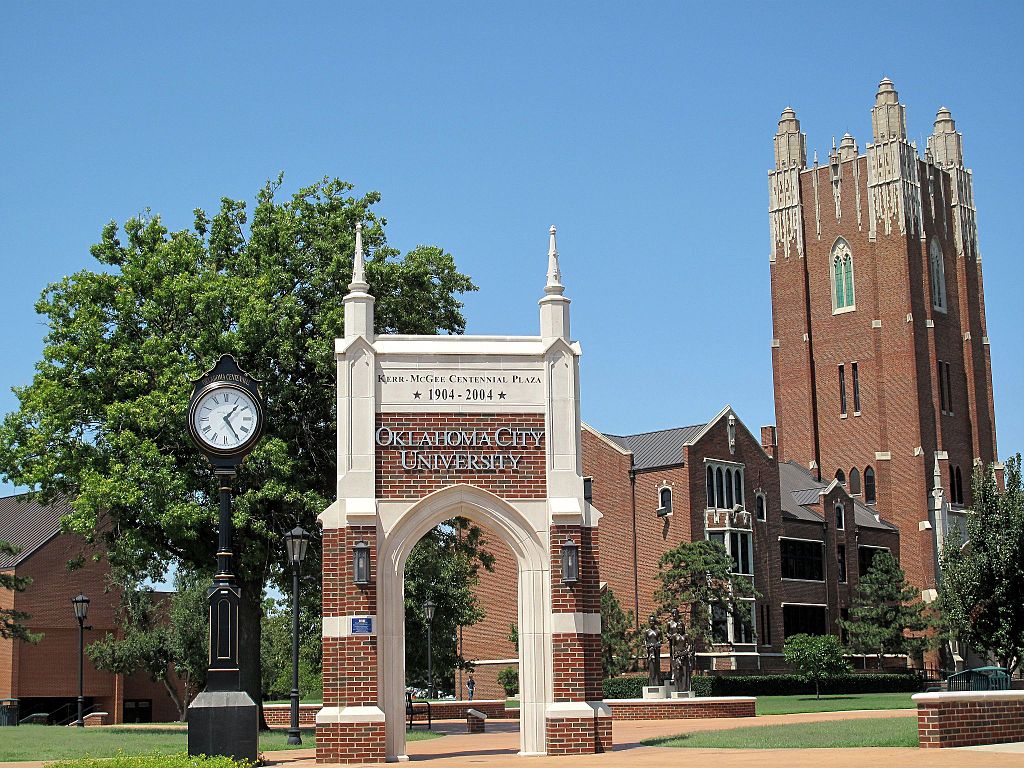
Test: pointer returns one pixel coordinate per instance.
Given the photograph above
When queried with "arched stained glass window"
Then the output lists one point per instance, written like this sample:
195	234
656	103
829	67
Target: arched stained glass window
842	277
869	485
854	481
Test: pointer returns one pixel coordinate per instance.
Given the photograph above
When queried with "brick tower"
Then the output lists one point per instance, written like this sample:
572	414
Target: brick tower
880	354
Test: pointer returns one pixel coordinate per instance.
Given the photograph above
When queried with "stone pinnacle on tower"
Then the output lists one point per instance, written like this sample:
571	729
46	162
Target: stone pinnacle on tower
790	144
554	307
358	301
888	116
358	268
946	144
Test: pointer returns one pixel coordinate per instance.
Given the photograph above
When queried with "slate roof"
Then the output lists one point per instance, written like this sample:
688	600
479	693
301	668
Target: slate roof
799	490
657	449
27	525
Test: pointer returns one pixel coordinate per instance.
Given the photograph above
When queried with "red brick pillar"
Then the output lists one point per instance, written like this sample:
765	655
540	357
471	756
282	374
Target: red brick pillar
578	722
350	727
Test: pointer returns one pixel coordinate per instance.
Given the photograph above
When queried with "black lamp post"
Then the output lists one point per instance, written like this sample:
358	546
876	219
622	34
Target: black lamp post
81	604
296	542
428	610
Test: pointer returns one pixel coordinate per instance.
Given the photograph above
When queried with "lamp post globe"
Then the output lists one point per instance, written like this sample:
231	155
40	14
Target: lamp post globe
81	606
428	611
296	543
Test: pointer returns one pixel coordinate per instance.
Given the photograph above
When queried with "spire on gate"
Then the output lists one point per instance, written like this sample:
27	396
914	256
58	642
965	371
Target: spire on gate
358	301
554	307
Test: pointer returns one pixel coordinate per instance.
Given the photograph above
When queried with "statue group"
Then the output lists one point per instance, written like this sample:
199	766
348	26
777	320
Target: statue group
679	651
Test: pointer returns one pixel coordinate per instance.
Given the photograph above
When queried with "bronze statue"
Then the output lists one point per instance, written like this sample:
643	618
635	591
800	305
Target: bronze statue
680	658
652	641
676	630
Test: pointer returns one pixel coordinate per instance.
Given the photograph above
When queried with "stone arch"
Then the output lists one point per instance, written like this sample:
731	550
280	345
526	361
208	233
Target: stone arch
528	541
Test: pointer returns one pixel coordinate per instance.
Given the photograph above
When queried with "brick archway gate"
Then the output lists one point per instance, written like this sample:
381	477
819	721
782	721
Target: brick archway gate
524	530
433	427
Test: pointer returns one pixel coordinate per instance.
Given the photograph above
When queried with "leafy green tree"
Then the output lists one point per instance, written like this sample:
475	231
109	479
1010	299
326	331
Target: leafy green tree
696	577
11	620
508	678
816	658
617	636
980	596
277	652
164	639
887	615
443	567
103	421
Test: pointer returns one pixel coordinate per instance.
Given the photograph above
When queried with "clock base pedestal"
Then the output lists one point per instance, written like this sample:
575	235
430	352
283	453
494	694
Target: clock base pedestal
224	724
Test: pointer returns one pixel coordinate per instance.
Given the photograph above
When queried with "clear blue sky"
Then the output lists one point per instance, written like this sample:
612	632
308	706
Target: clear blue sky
642	132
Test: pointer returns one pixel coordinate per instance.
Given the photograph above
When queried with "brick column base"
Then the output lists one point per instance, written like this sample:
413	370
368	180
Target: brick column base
350	743
969	718
579	735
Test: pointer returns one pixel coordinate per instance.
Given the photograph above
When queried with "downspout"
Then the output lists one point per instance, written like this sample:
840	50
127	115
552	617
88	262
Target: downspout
636	566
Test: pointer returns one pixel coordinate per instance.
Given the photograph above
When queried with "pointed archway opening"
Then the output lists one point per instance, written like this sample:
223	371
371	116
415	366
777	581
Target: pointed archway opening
529	547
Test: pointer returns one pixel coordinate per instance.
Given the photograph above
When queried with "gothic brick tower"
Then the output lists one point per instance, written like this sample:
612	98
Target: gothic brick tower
880	354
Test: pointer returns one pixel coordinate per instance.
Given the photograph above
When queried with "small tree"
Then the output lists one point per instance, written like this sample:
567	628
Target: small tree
166	641
816	658
508	678
12	621
886	612
617	634
696	577
983	580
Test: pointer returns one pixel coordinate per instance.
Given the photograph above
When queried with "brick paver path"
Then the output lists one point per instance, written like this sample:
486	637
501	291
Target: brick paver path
498	748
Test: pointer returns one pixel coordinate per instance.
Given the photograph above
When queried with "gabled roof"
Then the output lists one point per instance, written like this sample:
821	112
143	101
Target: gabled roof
658	449
27	525
799	491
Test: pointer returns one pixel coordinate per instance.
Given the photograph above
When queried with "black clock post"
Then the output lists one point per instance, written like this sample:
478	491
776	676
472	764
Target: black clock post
223	720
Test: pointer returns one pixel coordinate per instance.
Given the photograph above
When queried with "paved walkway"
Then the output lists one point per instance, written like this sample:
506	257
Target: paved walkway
499	745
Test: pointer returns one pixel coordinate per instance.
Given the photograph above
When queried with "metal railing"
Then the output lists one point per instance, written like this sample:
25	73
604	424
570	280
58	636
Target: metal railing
980	679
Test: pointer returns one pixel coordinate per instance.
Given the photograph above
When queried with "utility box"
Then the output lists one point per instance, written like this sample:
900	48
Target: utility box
8	712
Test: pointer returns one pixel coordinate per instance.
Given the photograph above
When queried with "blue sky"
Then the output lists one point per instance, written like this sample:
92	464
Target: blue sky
642	131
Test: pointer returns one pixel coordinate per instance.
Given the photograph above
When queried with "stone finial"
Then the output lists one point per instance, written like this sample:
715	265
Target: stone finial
946	144
554	284
358	267
790	144
847	147
888	116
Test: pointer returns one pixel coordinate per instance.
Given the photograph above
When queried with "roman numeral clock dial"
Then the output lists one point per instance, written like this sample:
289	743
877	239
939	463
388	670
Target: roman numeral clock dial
225	419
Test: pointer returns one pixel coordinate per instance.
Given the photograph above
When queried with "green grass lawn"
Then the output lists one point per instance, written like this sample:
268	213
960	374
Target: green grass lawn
785	705
51	742
873	732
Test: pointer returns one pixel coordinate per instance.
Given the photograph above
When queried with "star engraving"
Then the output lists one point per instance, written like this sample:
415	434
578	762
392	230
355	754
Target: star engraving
501	395
416	395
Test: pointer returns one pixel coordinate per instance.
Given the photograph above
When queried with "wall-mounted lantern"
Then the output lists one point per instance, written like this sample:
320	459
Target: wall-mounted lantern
361	563
570	562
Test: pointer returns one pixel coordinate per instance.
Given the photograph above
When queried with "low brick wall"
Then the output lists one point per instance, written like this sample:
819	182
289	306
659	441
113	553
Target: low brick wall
965	719
279	715
456	710
96	718
682	709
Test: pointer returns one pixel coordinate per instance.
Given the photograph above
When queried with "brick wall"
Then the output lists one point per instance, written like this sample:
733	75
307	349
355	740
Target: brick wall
525	481
682	709
279	715
967	719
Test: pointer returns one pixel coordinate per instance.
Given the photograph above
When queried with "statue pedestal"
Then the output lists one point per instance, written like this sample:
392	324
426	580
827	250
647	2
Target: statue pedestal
656	691
682	694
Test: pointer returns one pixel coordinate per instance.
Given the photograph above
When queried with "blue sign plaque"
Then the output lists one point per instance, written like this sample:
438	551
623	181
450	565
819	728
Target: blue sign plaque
362	625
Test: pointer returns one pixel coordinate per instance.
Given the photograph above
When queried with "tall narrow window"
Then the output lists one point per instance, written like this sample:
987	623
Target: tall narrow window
842	390
720	488
942	387
949	389
841	560
711	488
841	476
959	492
728	489
869	485
588	489
737	480
664	502
856	388
938	272
840	517
854	481
842	277
761	511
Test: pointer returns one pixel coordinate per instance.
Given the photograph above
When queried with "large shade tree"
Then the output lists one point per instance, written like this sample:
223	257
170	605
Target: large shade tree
983	578
103	421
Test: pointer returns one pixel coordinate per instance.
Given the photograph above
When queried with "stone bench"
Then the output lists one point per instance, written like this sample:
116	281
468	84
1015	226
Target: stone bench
476	721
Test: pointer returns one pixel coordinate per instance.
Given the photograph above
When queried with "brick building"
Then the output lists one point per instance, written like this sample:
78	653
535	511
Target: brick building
44	676
880	351
804	543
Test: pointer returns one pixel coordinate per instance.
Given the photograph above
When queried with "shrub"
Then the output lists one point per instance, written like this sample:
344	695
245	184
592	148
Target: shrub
508	678
150	761
631	686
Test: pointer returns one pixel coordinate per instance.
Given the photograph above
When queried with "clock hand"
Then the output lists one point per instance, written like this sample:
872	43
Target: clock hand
230	427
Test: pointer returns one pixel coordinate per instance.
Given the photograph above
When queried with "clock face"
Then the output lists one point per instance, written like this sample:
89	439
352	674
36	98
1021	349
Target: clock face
226	419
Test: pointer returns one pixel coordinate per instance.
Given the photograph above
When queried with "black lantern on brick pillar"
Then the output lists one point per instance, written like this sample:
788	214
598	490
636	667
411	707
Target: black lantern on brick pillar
361	563
570	562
